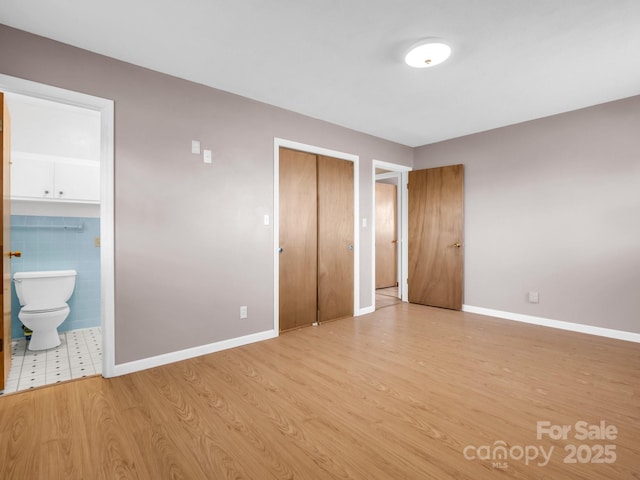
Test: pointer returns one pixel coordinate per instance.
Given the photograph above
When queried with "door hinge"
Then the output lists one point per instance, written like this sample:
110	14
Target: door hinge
0	124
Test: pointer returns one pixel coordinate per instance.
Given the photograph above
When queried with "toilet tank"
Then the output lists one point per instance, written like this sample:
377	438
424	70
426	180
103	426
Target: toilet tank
45	288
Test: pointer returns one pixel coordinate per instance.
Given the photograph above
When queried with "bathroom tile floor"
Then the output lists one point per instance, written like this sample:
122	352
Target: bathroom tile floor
79	355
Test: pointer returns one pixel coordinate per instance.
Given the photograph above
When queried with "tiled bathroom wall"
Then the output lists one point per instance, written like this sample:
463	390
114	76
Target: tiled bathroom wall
60	243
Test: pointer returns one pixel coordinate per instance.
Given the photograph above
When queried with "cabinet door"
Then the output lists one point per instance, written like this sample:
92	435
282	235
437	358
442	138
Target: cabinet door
31	178
75	181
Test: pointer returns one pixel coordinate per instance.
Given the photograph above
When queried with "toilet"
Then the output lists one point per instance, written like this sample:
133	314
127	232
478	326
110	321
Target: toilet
43	297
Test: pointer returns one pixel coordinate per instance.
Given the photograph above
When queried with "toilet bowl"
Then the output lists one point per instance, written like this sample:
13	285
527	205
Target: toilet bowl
43	297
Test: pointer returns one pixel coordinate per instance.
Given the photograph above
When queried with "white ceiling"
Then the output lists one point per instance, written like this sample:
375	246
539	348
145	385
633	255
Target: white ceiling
342	60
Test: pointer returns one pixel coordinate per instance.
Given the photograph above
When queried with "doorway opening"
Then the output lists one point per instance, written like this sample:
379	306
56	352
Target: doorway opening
390	226
62	219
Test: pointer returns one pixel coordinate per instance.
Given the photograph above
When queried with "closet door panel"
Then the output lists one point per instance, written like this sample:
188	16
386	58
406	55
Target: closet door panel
335	238
298	239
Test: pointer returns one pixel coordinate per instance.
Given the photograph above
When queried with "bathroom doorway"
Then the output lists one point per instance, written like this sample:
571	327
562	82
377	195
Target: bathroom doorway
62	219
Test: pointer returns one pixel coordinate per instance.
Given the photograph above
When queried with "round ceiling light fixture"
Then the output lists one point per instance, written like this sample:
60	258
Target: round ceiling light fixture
427	53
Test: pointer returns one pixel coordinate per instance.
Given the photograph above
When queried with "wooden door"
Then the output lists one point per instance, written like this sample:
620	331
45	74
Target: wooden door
298	239
5	295
436	200
386	235
335	238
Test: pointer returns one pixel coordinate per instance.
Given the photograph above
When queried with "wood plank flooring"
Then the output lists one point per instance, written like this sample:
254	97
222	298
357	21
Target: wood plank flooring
386	297
399	394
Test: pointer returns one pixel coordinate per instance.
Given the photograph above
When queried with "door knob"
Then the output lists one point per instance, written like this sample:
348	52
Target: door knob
394	241
17	253
457	245
350	247
280	250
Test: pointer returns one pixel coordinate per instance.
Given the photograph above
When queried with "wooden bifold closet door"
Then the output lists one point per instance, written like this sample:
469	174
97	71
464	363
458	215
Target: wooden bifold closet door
316	239
298	239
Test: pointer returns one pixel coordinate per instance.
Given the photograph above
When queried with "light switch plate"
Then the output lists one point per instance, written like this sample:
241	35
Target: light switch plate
207	156
195	147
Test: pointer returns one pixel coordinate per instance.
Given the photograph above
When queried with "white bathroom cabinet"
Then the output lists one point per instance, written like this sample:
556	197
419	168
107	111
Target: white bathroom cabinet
46	178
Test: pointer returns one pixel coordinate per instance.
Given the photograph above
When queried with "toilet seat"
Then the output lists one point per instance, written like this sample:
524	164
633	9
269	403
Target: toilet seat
43	309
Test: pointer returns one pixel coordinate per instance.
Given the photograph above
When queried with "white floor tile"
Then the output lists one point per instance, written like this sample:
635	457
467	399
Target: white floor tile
10	388
58	366
82	371
60	350
31	381
55	377
77	356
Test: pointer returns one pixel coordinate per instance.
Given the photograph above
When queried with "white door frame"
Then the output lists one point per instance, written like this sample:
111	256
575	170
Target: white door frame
107	270
280	142
401	172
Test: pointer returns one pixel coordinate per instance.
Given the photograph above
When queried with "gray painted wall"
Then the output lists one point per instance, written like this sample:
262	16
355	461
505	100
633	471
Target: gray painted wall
553	205
190	244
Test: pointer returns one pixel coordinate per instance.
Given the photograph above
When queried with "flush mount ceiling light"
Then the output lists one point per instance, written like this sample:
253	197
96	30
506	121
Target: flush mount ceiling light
427	53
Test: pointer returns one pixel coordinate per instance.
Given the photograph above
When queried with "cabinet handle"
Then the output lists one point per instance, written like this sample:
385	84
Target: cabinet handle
46	192
60	193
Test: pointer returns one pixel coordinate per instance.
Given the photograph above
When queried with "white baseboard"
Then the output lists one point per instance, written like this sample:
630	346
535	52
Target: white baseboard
546	322
365	311
137	365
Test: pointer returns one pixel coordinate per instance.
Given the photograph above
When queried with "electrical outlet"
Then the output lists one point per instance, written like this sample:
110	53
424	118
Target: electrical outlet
534	297
243	311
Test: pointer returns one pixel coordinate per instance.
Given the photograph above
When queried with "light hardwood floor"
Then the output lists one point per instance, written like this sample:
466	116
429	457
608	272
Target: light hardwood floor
386	297
398	394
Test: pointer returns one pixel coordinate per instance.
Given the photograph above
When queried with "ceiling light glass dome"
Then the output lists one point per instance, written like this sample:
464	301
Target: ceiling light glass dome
427	53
